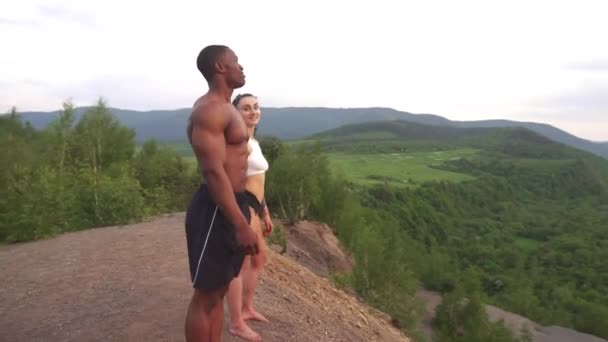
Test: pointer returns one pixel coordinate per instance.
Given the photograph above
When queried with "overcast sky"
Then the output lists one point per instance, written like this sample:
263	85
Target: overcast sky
544	61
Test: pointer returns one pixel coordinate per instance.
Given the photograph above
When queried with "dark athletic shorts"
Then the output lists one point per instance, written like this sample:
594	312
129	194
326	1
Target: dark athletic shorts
212	249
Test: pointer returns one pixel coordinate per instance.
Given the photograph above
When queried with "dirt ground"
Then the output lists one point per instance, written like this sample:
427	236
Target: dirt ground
131	283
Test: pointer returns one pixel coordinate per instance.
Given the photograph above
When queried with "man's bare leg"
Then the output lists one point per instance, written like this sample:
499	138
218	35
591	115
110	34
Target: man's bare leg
201	319
237	325
217	319
252	275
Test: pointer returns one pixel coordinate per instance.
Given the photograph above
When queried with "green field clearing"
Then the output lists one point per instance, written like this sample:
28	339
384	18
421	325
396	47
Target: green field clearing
527	244
401	169
398	168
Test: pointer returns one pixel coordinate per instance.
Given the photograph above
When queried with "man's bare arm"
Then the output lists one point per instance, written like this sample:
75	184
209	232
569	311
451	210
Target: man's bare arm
210	147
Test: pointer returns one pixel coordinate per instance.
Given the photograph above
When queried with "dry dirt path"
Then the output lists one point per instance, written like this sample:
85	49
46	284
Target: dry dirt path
131	283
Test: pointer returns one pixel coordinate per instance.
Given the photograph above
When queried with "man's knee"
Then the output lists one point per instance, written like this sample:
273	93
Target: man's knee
208	301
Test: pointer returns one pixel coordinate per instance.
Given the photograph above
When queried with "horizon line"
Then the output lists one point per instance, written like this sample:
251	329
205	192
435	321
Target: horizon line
315	107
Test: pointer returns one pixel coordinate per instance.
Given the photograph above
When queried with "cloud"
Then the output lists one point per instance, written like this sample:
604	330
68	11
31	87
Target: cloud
592	66
65	15
26	91
54	11
593	130
582	111
130	91
28	15
589	102
19	22
399	59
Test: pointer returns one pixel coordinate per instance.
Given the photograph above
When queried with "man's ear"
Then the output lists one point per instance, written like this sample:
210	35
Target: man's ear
220	68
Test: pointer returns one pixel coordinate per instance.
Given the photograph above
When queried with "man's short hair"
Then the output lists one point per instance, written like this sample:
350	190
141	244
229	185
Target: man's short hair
205	62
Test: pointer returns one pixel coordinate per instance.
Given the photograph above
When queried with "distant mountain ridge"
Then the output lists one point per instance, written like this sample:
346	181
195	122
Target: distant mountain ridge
400	135
300	122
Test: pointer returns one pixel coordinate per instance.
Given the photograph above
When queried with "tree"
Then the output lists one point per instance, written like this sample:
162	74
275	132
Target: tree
273	147
100	141
60	133
167	180
464	320
293	185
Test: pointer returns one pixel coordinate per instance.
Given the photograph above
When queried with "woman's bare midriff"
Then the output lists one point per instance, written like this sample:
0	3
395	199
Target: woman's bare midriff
255	185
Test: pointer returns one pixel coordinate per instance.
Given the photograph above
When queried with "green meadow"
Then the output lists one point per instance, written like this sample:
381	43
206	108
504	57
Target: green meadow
402	169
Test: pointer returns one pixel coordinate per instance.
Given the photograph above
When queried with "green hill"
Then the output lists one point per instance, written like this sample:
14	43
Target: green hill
500	215
403	136
504	212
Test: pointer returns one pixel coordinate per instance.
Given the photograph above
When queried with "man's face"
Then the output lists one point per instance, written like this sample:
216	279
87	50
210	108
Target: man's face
233	70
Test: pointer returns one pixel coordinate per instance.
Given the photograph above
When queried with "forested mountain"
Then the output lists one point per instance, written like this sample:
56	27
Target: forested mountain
528	232
83	171
299	122
526	229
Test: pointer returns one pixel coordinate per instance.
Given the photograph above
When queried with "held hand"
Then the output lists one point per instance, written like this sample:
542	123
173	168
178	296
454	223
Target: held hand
247	240
268	223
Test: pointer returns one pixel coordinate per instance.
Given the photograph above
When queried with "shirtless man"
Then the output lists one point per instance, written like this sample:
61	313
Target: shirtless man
218	231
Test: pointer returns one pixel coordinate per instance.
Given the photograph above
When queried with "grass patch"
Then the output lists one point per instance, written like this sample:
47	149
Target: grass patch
526	244
402	169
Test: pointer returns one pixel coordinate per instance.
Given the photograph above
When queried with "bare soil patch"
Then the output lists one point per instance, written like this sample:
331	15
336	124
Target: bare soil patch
131	283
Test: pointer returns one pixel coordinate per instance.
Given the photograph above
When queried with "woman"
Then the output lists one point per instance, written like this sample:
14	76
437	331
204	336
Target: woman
241	290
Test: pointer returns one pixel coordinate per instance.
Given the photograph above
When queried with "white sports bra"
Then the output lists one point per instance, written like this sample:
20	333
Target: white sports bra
256	163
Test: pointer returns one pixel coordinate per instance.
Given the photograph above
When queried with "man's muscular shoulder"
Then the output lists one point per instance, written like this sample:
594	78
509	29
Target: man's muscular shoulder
212	114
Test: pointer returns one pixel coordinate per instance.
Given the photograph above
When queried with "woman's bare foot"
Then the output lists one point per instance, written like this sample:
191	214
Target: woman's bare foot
253	315
245	332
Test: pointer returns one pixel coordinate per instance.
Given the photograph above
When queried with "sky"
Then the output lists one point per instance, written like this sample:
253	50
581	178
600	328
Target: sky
541	61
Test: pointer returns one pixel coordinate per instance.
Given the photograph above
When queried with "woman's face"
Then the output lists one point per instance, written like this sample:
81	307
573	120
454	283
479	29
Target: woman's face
250	110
